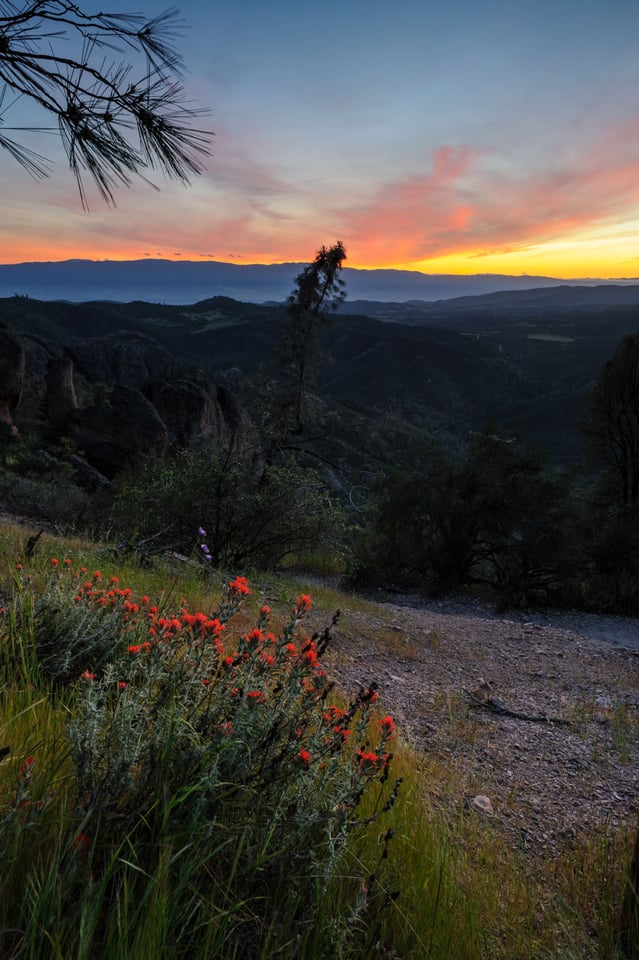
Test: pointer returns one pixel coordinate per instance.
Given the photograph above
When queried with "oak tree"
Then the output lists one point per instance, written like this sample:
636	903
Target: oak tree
612	425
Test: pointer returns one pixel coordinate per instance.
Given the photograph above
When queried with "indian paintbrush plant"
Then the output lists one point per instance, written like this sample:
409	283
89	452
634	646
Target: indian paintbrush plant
211	767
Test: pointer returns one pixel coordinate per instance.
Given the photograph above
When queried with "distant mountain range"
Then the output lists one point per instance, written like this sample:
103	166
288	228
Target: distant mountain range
186	282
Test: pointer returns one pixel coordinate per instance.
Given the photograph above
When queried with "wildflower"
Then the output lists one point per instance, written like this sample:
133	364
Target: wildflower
206	682
255	696
239	587
133	648
304	758
54	562
18	566
310	657
97	575
201	532
265	611
367	759
303	604
387	726
121	685
205	550
87	675
26	768
81	842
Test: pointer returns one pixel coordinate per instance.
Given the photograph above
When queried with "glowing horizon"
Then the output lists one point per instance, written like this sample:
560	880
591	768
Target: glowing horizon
536	174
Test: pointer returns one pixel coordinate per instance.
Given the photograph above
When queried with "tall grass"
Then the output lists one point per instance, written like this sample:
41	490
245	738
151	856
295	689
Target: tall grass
129	830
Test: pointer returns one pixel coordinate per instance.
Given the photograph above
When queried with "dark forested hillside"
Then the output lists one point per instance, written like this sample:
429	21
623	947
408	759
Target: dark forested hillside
524	361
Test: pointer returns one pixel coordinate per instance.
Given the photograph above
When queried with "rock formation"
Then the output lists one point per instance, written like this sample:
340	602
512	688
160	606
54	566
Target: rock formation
12	368
196	409
126	357
124	431
60	395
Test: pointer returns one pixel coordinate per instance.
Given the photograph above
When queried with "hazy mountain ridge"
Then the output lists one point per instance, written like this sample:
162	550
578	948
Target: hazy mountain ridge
185	282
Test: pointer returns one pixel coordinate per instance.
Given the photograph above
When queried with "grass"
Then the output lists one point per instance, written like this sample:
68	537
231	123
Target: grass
427	880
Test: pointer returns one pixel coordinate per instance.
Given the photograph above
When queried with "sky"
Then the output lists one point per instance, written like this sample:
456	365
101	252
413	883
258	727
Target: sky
465	137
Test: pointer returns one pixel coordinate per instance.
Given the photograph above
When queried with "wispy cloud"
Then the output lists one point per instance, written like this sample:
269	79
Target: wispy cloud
464	206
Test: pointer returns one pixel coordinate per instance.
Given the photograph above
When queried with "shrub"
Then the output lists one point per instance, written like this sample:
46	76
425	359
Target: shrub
215	785
489	515
254	515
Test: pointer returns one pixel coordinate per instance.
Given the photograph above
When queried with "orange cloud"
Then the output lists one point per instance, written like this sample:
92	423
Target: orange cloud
463	207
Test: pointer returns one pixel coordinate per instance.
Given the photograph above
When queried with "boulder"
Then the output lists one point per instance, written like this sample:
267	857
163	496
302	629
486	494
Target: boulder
60	394
86	476
124	431
38	352
12	369
195	409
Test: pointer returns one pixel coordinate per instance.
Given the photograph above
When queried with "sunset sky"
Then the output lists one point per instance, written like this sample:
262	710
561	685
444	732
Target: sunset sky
472	136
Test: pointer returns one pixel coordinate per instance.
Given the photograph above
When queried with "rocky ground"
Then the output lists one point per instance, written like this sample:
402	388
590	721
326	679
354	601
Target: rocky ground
540	722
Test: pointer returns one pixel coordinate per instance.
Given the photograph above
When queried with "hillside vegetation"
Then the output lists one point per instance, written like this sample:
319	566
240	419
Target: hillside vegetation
180	778
462	454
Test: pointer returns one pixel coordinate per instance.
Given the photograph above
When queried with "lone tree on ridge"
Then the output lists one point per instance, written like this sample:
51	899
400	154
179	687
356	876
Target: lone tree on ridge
319	290
111	81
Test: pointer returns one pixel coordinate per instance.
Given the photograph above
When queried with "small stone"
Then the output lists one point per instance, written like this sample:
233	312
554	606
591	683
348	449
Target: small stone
482	803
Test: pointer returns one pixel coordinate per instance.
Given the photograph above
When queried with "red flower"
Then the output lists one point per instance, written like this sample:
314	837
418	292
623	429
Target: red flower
67	563
310	656
304	758
255	696
26	768
81	842
54	562
303	604
368	759
87	675
121	685
265	611
387	726
239	587
206	682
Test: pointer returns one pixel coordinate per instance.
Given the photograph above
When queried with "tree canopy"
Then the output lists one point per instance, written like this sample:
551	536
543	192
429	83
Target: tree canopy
613	420
112	82
319	290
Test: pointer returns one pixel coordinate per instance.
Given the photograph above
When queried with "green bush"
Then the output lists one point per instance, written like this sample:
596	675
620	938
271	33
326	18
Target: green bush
255	515
488	515
211	787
